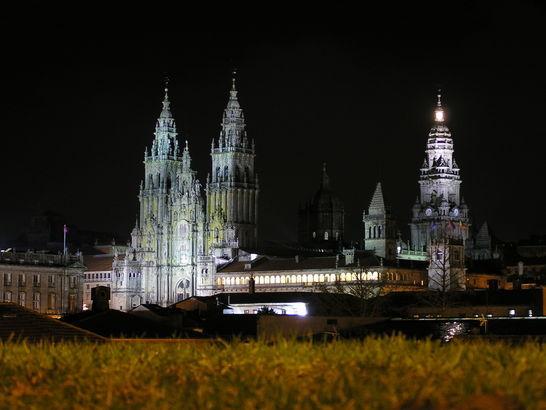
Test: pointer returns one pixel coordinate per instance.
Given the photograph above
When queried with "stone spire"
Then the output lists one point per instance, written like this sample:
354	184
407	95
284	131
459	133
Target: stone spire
377	204
165	143
233	132
166	112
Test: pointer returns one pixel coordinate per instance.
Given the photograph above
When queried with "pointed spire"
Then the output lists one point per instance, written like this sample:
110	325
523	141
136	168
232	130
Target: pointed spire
325	182
377	204
166	112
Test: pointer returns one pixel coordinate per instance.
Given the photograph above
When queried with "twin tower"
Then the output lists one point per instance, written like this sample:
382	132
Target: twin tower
182	231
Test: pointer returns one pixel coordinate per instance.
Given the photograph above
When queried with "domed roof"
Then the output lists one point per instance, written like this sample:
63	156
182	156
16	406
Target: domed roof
325	199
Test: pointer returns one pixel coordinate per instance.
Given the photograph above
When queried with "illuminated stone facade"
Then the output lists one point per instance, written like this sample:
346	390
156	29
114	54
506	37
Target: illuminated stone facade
440	218
179	235
232	190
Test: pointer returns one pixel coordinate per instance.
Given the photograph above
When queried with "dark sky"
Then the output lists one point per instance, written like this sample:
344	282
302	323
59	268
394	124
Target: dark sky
80	97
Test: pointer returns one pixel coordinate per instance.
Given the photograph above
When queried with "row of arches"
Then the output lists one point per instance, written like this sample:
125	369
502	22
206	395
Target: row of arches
297	279
375	232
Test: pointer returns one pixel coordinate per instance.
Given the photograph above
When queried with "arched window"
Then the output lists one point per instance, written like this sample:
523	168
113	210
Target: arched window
315	277
266	280
304	278
7	296
237	173
218	175
369	232
342	276
299	279
293	279
375	232
326	235
379	231
321	277
226	173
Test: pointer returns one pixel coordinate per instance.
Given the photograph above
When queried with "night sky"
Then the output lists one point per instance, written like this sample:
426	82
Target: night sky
80	98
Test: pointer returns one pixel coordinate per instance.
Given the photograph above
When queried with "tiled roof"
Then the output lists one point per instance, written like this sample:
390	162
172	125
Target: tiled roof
98	263
267	263
18	323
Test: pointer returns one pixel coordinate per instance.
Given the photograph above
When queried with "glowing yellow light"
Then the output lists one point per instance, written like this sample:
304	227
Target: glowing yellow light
439	115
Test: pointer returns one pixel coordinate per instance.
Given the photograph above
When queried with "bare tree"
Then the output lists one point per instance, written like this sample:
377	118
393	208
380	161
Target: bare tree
446	272
358	296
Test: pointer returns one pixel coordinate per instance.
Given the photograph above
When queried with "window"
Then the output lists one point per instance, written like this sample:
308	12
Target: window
22	298
7	296
7	279
51	280
36	301
22	279
73	281
71	303
36	280
51	301
326	235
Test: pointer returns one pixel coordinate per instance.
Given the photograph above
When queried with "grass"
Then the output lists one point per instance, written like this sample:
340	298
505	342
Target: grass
376	373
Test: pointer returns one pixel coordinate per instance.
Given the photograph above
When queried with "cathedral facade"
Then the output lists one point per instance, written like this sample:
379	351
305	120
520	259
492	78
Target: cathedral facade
182	230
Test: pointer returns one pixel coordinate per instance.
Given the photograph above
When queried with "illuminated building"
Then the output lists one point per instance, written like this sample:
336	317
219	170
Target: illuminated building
232	191
180	235
440	220
46	283
379	227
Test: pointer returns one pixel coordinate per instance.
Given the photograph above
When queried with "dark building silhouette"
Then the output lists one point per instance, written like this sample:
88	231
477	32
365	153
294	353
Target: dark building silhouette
321	221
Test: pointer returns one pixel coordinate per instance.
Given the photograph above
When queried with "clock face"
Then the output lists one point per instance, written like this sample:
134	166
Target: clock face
428	211
455	211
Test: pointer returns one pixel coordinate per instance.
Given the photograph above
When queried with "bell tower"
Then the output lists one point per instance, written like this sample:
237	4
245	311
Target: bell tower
379	227
232	187
440	220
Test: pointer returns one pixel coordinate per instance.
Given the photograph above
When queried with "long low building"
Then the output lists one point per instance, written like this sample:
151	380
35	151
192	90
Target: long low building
308	274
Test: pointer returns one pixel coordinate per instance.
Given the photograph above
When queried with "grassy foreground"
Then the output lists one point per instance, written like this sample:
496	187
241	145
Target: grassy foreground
376	374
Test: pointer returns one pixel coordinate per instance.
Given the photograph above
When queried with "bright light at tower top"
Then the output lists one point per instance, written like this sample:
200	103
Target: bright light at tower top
439	112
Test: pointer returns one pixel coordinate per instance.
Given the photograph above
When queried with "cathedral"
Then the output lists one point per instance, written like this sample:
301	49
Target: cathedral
182	230
187	237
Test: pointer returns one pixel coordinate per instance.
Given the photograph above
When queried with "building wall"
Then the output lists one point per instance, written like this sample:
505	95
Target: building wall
54	290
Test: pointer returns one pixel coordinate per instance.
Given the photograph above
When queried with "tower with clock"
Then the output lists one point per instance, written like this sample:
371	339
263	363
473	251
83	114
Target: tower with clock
440	220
